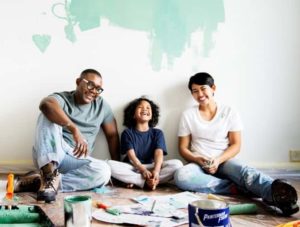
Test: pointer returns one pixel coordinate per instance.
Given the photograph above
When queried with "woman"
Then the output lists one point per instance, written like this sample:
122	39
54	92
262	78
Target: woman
209	138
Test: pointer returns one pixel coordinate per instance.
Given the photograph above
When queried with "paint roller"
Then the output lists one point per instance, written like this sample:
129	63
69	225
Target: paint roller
244	208
12	213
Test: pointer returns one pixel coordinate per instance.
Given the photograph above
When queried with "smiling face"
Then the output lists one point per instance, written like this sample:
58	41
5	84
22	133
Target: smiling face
88	88
143	112
203	94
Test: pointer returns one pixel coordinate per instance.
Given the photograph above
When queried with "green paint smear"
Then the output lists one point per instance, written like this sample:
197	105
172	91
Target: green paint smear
52	142
41	41
169	23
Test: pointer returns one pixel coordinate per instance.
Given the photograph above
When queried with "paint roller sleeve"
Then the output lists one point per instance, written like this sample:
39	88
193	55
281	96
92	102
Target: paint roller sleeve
246	208
17	216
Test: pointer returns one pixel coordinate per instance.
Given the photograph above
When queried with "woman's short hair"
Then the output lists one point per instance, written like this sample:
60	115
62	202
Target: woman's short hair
201	78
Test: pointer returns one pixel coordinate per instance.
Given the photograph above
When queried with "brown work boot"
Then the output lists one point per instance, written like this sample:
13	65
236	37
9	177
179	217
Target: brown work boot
29	182
50	183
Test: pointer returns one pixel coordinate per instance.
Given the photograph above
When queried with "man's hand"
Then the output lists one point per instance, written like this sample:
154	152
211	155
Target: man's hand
81	145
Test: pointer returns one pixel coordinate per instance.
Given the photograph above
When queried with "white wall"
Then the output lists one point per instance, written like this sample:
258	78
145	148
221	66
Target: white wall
255	62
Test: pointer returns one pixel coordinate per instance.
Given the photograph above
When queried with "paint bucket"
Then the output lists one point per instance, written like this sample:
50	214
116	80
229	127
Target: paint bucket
208	213
78	211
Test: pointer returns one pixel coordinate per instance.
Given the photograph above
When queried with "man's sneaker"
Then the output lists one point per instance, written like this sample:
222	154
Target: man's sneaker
49	185
284	197
29	182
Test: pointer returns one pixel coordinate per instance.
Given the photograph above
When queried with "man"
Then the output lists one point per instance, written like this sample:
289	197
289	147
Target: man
65	137
209	138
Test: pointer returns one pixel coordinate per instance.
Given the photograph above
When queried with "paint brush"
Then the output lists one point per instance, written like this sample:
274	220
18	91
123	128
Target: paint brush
10	187
9	197
109	210
153	205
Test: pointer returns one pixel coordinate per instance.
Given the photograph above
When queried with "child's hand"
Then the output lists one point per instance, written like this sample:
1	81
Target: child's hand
155	178
155	175
147	174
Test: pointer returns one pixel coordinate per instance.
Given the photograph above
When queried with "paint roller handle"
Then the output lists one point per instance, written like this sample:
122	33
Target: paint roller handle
10	187
102	205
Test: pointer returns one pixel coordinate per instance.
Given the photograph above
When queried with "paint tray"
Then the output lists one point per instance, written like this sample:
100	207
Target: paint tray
24	215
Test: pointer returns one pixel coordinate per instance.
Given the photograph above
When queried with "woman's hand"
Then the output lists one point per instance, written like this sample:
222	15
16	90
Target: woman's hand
202	161
213	166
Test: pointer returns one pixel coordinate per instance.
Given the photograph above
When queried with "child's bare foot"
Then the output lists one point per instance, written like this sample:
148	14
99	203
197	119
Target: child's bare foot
155	185
129	185
151	183
122	184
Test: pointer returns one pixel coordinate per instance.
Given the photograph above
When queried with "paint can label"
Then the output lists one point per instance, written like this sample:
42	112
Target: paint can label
208	213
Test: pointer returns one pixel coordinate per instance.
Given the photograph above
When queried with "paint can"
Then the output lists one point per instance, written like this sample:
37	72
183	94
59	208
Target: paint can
208	213
78	211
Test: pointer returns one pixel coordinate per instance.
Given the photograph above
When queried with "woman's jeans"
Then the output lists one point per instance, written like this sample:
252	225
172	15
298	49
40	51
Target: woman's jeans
231	175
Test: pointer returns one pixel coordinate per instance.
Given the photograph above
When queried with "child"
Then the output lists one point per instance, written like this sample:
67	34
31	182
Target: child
143	148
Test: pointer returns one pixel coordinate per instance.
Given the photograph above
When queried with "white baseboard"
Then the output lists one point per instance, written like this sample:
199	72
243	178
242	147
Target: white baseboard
23	166
16	166
276	165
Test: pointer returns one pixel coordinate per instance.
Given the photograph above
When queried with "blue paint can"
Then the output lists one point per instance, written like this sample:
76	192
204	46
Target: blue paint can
208	213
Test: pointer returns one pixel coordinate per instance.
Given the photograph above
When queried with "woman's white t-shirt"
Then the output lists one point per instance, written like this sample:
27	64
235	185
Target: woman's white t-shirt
209	138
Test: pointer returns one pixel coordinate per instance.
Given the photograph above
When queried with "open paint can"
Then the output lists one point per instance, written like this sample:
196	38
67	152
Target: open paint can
208	213
78	211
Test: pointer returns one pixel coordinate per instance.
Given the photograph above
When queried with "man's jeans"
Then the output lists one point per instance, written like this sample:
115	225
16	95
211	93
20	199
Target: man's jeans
77	174
230	175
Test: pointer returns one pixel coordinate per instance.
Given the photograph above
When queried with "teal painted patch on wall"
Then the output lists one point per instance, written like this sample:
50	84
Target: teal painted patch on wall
169	23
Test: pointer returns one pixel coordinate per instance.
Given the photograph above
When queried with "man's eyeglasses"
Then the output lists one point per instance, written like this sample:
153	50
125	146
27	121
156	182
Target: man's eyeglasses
90	85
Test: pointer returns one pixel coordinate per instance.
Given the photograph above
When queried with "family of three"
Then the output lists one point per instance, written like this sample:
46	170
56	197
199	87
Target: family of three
209	137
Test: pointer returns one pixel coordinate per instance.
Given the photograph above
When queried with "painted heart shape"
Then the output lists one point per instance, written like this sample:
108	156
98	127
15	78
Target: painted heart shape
41	41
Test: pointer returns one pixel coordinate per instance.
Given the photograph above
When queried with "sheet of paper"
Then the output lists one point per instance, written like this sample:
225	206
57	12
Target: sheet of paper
177	201
142	220
152	211
140	209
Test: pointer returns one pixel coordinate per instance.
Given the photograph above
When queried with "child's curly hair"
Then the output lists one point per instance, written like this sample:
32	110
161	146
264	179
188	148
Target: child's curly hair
129	112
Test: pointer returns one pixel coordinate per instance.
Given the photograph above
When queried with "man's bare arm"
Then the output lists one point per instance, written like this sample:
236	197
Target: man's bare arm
112	136
52	110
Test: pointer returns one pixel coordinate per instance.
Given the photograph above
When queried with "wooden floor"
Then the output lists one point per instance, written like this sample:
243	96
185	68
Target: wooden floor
122	196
